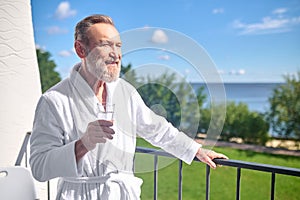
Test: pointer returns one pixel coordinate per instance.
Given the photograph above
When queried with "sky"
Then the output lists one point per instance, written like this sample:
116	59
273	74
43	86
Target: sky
243	41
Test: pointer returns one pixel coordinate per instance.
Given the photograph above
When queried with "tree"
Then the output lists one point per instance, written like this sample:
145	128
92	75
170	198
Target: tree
48	75
250	126
129	74
257	129
284	114
173	99
169	97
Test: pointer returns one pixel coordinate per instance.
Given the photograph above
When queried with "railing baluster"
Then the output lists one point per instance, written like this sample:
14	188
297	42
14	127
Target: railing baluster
26	158
48	190
180	180
273	186
207	181
23	149
155	176
238	183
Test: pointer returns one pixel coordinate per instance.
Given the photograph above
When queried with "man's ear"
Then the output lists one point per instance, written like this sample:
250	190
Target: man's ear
80	49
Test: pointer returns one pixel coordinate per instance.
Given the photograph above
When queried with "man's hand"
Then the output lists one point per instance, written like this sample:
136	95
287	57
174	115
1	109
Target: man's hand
97	132
206	156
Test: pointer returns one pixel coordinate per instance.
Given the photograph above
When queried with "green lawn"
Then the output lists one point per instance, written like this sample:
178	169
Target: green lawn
254	184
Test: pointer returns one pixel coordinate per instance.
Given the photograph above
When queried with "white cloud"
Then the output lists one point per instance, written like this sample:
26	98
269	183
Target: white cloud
164	57
268	24
279	11
42	48
241	72
159	36
66	53
64	11
56	30
218	11
237	72
146	27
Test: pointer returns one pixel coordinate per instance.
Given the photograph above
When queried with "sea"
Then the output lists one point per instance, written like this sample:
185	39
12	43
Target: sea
255	95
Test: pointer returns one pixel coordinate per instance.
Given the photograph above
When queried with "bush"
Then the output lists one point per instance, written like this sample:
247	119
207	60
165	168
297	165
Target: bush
239	123
284	114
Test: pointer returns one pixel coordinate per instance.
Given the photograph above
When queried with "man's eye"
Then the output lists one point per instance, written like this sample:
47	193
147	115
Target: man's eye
104	44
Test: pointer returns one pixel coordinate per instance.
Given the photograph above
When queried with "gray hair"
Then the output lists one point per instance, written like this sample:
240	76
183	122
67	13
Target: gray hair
83	25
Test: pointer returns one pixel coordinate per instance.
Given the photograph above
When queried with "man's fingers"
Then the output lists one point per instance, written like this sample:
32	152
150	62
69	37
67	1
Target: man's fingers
207	160
212	164
107	130
106	123
207	156
214	155
97	132
107	135
222	156
100	138
101	128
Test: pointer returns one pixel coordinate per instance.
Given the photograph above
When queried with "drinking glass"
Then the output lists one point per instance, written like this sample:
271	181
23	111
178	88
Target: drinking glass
107	112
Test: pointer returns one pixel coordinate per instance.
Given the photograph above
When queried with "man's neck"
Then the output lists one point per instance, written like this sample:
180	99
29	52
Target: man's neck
101	92
98	86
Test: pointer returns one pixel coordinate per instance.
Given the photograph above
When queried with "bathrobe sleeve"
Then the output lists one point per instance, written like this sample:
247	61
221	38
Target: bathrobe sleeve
51	156
159	132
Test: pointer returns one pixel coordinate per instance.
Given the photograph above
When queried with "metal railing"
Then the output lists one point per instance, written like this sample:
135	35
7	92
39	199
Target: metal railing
230	163
23	151
239	165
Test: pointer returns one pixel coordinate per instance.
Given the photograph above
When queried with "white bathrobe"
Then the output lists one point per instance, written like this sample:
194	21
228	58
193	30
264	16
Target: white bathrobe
61	118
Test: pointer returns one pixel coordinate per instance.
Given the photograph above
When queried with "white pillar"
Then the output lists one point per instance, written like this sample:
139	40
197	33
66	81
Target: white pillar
20	86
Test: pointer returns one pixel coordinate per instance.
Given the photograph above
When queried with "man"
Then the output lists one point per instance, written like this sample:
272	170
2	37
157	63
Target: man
94	157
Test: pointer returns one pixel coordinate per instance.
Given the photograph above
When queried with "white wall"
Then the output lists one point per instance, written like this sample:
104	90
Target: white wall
19	80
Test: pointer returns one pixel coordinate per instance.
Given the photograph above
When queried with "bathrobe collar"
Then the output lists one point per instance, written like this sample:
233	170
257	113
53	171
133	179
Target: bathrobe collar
86	93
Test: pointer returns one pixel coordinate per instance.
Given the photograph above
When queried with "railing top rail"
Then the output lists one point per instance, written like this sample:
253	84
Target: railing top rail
233	163
260	167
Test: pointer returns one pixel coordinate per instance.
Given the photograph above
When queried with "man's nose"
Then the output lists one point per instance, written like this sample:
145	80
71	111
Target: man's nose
115	52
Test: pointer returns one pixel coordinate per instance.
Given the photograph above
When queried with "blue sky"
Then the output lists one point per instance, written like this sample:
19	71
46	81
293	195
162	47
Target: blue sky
248	41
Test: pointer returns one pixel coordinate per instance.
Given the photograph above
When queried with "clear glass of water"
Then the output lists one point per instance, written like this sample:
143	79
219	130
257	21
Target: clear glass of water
106	112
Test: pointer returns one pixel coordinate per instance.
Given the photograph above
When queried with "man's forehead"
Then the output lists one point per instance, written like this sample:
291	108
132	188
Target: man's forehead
103	31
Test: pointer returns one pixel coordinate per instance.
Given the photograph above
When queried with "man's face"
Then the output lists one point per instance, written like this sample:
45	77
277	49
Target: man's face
104	52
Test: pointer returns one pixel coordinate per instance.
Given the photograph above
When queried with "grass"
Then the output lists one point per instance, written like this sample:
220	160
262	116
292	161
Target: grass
254	184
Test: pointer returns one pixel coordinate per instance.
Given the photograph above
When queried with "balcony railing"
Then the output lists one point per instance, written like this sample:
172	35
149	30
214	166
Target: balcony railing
239	165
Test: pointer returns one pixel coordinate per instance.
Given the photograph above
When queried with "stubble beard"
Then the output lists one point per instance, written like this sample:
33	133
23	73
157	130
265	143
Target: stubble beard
97	67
